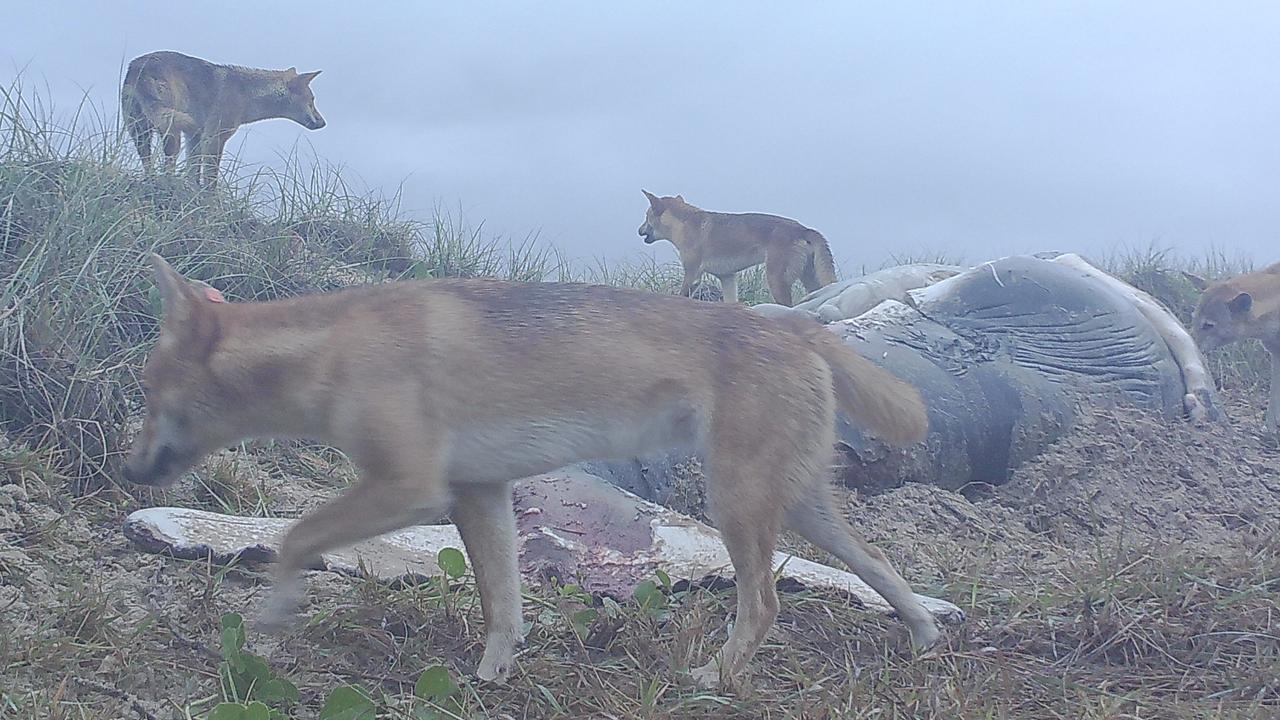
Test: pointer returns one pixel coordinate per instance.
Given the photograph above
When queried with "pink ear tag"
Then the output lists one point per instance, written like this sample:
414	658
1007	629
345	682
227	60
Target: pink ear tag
212	295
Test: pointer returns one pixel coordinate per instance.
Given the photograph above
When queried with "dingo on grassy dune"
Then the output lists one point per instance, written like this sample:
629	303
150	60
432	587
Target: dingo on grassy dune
174	95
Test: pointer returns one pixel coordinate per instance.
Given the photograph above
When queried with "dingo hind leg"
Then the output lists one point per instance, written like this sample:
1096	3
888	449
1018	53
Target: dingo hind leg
140	131
819	268
197	157
172	144
171	124
748	520
782	266
819	520
762	449
487	523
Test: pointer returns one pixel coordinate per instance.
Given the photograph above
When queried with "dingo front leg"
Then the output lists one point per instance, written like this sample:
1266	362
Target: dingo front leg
692	274
405	490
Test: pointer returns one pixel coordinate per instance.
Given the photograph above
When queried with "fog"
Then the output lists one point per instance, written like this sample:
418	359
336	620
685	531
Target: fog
910	129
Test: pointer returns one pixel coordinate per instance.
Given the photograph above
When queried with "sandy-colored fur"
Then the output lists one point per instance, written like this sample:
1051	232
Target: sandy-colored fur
175	96
725	244
1239	308
444	392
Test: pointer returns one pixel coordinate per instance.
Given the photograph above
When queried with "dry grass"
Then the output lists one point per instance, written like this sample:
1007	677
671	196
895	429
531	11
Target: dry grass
1120	630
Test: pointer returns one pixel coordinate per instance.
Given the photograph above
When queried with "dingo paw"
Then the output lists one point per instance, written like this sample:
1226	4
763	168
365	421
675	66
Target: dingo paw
279	612
495	665
925	637
706	677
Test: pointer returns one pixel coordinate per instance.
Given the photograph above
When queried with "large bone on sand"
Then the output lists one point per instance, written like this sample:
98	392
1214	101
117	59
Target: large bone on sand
572	526
850	298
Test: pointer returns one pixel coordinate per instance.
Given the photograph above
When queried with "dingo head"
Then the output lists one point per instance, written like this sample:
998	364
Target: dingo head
291	98
659	223
1229	310
190	411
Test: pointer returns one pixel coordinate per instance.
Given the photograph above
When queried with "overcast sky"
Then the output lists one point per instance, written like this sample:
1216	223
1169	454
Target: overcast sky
970	128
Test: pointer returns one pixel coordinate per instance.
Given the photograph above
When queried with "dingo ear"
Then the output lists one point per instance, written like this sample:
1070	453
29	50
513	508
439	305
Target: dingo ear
680	198
1240	304
173	287
291	72
1196	281
653	199
183	304
177	291
306	78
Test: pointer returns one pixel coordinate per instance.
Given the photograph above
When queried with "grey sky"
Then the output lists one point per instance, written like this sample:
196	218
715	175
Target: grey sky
971	128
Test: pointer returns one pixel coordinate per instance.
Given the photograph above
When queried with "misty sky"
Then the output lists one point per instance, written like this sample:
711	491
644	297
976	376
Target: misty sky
967	128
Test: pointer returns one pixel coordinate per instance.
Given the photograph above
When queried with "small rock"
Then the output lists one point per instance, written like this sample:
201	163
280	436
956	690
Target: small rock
19	567
12	605
11	495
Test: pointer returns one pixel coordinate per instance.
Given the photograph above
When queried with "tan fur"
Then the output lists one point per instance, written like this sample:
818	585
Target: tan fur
174	95
1243	307
444	392
725	244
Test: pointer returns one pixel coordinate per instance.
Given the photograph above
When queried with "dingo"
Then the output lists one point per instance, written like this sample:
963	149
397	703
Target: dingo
443	392
171	94
725	244
1239	308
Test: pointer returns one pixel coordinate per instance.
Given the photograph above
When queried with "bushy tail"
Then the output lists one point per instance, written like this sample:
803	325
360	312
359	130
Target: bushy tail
820	268
872	397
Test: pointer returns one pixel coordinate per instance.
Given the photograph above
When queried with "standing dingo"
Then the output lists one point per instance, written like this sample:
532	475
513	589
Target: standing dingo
171	94
725	244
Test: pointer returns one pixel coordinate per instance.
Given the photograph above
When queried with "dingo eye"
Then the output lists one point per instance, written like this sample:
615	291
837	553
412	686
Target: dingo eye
1207	325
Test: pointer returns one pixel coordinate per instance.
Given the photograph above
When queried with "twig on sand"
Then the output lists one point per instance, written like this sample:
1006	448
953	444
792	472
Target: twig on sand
128	698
